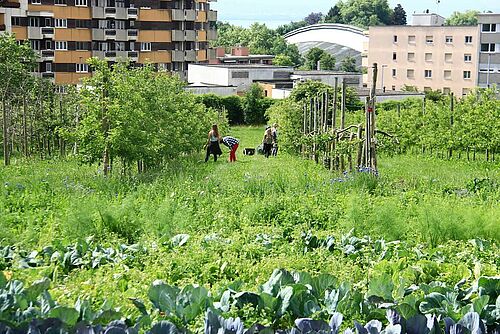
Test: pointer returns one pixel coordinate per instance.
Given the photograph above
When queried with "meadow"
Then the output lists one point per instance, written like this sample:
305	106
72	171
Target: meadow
223	225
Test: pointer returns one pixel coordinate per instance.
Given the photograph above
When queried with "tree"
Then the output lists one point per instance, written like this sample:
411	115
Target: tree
334	15
16	63
365	13
327	62
313	18
286	28
317	55
467	18
399	16
348	64
283	60
253	105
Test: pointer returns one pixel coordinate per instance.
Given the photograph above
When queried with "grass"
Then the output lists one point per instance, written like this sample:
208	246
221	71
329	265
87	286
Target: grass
256	210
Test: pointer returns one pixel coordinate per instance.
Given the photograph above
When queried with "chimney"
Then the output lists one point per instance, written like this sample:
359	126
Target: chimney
241	51
220	52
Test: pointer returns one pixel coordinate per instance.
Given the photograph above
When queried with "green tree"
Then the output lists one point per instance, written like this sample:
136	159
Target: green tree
334	15
283	60
467	18
253	105
286	28
16	63
365	13
348	64
327	62
399	16
313	18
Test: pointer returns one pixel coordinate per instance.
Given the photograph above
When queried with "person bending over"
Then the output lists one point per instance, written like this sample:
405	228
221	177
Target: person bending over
232	143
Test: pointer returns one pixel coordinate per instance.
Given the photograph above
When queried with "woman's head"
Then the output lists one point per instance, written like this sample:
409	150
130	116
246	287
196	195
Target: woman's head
275	125
215	129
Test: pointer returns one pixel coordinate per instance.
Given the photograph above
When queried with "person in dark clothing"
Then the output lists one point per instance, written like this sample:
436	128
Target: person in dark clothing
212	145
274	131
233	144
267	142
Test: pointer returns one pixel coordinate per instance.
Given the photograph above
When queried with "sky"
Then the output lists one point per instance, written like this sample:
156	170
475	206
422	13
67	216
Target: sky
278	12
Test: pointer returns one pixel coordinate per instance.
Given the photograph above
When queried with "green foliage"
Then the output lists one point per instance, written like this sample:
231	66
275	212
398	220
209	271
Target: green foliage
317	55
139	115
259	38
255	105
283	60
233	105
365	13
334	15
286	28
348	64
467	18
399	16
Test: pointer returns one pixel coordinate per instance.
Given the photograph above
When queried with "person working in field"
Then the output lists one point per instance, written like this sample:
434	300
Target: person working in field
274	131
212	145
267	142
232	143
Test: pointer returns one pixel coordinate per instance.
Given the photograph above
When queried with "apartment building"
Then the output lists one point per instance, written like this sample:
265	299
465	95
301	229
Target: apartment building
65	33
426	56
489	51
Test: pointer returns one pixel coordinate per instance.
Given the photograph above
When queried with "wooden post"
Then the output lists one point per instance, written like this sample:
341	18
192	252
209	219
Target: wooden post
371	156
6	155
452	109
334	111
342	110
25	127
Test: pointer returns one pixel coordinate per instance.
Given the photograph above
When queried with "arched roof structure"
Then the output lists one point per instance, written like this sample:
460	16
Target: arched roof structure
339	40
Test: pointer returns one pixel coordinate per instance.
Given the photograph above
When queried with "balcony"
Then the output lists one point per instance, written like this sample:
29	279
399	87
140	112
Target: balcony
189	35
190	55
212	35
183	14
110	12
110	34
177	36
110	54
8	4
133	55
47	33
178	56
132	13
189	14
98	13
212	15
47	55
132	34
34	33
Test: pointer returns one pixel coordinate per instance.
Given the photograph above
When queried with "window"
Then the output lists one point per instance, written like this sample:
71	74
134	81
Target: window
82	24
16	21
60	23
61	45
81	46
48	45
34	22
448	39
103	46
47	22
120	24
428	57
394	56
393	87
428	74
145	46
410	74
36	2
120	4
120	46
411	39
48	67
467	57
394	72
60	2
487	47
447	57
395	38
82	68
429	39
411	56
446	90
465	91
81	3
468	39
489	27
447	75
35	44
466	74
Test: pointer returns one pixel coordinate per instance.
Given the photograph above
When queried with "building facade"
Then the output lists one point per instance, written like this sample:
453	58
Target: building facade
489	50
240	56
65	33
427	57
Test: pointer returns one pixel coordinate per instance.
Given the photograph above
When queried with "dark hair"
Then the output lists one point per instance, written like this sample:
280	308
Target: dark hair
215	130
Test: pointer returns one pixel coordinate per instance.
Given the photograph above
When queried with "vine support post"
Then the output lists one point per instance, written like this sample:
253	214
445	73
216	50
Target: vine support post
334	111
342	110
25	126
452	111
371	145
6	155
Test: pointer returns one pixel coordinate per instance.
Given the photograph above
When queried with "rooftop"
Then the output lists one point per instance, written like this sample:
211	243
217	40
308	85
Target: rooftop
247	66
325	73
